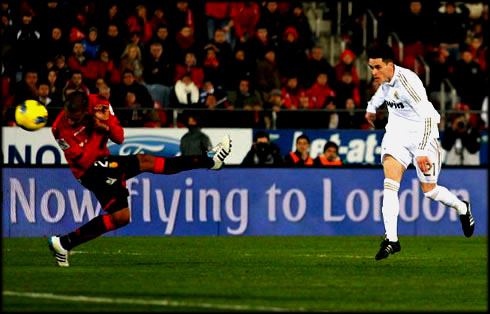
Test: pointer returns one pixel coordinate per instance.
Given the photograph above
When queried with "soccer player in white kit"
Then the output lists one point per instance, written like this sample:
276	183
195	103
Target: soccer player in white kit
411	136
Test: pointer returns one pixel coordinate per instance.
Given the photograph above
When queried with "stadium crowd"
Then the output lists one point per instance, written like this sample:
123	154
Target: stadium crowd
251	58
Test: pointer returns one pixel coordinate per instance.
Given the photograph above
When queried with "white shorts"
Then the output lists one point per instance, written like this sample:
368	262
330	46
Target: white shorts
404	153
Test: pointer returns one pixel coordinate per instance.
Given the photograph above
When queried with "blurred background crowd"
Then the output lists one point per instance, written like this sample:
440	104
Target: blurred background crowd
267	65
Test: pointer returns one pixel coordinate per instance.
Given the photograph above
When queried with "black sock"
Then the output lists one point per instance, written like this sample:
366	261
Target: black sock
182	163
88	231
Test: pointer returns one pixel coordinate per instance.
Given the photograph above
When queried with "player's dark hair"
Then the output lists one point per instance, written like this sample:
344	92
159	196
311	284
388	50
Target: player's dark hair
384	52
76	102
302	136
330	144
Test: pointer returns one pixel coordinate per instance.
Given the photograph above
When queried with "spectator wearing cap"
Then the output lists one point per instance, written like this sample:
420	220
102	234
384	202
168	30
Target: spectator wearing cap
346	64
267	73
291	56
330	156
275	101
91	44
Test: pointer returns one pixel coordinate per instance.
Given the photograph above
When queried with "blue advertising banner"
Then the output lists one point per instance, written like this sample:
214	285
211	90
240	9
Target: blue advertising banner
355	146
47	201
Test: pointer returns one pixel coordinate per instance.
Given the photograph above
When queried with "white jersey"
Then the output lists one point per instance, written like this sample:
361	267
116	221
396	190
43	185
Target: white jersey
412	116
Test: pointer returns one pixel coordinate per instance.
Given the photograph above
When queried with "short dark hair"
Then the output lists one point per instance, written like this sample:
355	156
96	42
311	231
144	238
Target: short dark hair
261	134
303	136
330	144
76	102
384	52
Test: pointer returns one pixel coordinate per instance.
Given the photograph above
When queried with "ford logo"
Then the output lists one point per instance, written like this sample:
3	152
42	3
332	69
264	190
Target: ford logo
161	146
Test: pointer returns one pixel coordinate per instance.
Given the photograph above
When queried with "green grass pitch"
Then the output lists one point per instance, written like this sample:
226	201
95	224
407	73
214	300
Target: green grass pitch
323	273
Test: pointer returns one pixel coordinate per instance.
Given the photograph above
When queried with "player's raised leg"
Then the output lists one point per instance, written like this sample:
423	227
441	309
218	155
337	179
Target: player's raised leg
428	184
214	160
442	194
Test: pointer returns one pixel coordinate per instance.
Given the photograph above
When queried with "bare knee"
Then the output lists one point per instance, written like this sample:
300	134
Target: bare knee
121	217
427	187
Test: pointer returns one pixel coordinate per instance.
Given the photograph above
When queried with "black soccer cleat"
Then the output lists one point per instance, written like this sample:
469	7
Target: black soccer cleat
388	248
467	221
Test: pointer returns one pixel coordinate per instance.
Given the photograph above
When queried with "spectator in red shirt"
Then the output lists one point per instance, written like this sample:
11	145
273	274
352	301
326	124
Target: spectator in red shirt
346	64
78	59
157	19
319	92
479	52
185	42
245	16
82	131
190	67
291	93
138	22
218	17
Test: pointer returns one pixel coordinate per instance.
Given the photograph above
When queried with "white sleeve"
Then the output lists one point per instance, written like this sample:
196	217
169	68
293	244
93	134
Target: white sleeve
376	101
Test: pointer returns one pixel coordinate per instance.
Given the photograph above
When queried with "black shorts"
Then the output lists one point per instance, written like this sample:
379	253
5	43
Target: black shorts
107	179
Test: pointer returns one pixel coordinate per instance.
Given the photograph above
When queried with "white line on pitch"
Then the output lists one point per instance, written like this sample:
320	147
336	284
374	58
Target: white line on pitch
167	303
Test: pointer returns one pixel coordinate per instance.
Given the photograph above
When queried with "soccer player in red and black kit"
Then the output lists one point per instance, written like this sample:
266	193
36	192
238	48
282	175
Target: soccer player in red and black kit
82	130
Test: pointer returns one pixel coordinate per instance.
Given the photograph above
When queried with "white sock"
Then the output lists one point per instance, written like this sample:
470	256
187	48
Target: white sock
391	208
443	195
